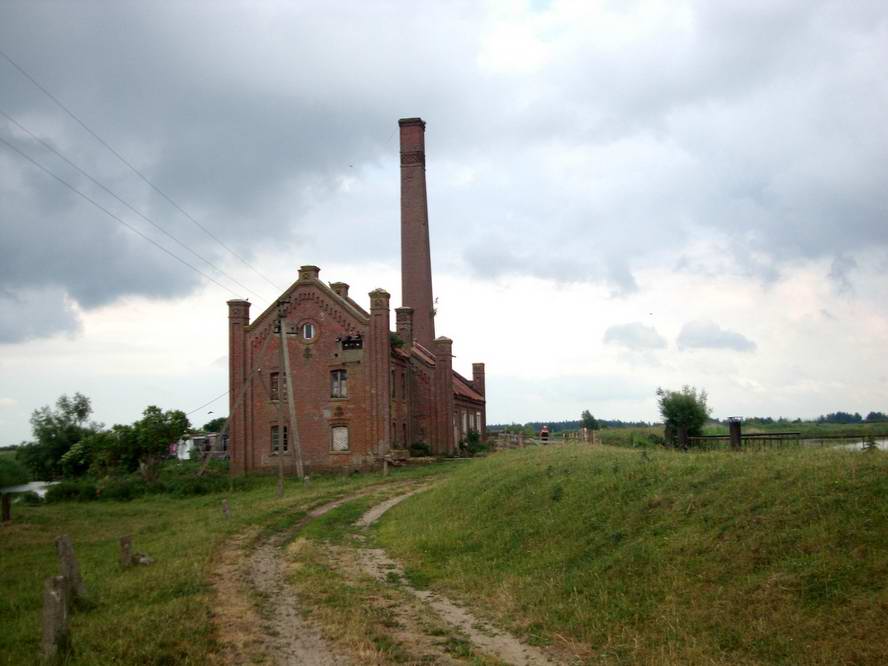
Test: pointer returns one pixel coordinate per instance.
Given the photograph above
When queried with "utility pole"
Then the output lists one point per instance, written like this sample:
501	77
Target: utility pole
291	403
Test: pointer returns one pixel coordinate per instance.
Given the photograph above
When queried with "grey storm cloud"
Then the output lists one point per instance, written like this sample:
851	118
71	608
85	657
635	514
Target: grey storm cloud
635	336
708	335
754	124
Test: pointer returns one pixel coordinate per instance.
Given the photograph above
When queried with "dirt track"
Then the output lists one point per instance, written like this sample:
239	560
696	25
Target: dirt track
260	618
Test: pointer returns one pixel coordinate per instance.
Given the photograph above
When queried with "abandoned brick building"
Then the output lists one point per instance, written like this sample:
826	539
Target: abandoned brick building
361	391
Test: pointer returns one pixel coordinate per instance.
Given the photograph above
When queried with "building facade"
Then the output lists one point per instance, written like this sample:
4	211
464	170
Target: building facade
361	390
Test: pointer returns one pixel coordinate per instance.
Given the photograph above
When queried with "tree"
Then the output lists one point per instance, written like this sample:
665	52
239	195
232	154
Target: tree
683	411
153	434
588	420
56	431
215	425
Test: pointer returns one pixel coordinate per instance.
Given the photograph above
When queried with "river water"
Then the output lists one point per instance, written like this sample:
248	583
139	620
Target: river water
38	487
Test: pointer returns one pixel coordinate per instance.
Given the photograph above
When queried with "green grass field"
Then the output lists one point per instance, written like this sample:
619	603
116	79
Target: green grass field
160	614
659	557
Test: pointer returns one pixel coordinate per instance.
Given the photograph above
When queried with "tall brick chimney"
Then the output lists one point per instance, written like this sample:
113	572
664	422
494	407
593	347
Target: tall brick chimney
416	263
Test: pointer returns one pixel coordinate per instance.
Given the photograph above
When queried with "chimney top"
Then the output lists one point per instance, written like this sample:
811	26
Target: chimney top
341	289
403	122
309	272
379	299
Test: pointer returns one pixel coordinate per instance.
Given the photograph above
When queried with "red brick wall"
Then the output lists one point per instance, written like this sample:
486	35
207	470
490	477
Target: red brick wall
311	363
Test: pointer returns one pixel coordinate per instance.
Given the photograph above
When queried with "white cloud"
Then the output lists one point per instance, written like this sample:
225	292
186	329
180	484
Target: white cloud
708	335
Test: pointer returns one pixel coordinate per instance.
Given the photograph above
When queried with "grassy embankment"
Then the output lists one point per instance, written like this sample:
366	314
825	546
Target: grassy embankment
652	435
148	615
660	557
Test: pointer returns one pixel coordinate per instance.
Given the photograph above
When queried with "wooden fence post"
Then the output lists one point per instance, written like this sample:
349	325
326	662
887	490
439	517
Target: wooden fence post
225	510
734	429
76	590
55	617
126	551
7	507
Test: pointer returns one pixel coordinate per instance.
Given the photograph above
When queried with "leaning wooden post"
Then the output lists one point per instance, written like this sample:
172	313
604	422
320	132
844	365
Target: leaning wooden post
126	551
225	510
7	507
55	618
291	403
76	590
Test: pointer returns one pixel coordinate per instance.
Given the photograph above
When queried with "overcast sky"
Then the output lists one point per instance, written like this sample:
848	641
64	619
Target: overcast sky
622	195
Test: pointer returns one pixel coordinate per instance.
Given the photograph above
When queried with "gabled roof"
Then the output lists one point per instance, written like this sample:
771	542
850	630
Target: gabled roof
463	388
423	354
348	305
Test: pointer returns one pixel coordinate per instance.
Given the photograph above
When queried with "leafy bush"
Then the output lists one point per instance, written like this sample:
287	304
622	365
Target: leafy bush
31	498
420	449
83	491
12	472
683	411
473	444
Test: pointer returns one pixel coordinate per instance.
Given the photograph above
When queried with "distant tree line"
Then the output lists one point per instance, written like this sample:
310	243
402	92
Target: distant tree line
845	417
67	444
562	426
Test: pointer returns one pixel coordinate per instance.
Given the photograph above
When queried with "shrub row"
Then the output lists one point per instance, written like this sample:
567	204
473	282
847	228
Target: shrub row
177	480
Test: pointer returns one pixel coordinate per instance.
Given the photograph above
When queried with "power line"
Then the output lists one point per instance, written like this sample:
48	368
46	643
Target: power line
207	404
52	149
112	215
133	168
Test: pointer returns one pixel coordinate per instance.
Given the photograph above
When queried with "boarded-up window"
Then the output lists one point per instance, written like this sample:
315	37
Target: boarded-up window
278	438
478	421
274	389
340	438
465	418
339	384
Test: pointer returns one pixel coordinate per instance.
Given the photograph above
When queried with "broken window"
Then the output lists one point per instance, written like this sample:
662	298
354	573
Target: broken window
274	388
339	384
340	438
278	439
352	342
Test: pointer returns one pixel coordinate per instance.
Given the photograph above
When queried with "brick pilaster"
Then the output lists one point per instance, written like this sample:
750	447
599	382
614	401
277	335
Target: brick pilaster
238	319
379	369
444	433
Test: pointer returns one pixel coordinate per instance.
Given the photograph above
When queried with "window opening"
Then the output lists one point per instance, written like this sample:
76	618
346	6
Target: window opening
274	389
278	442
340	438
352	342
308	331
339	384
